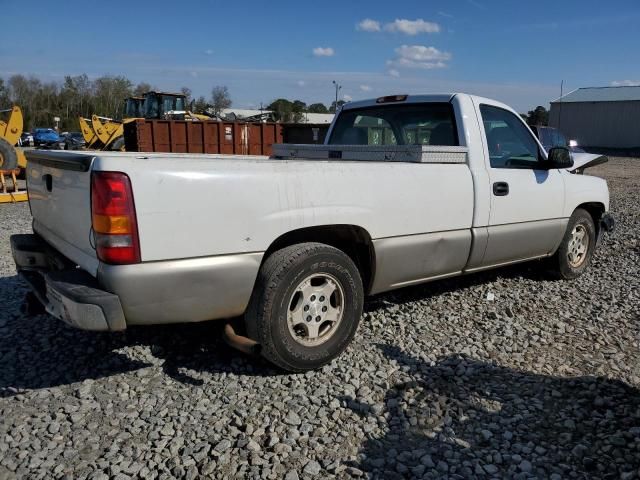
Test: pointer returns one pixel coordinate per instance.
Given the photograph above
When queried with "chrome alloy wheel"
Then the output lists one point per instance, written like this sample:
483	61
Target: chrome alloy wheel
315	310
578	246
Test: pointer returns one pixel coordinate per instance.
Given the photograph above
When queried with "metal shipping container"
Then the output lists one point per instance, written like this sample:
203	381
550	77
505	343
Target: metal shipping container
181	136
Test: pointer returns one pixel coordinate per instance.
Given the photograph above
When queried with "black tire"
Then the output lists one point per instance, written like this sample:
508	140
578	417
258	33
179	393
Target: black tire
8	156
560	262
117	144
279	277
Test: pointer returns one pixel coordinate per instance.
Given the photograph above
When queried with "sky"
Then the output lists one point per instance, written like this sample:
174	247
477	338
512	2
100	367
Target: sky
513	51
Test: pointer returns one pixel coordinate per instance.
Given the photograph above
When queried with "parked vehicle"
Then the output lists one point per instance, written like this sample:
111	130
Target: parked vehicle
407	189
26	139
73	140
47	138
552	137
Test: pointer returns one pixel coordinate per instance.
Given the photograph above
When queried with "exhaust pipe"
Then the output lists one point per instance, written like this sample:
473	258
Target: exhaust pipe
239	342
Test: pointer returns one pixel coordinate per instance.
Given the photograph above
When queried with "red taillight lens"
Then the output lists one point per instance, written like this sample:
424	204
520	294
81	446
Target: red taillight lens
113	217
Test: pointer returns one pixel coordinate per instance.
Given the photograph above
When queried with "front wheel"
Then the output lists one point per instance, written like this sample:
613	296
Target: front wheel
306	306
577	246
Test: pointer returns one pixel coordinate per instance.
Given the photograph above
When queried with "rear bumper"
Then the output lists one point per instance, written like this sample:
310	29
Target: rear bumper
174	291
69	294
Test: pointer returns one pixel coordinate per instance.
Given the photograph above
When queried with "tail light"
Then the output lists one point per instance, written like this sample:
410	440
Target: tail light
113	217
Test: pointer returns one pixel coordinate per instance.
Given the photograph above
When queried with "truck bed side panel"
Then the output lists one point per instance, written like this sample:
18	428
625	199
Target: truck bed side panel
198	207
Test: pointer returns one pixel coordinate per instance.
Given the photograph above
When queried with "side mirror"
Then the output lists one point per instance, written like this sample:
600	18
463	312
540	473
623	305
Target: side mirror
559	157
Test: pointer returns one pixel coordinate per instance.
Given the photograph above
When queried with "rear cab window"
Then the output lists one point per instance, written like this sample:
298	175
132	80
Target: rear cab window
397	124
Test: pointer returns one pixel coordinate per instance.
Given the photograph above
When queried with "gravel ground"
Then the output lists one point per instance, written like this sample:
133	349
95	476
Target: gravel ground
500	374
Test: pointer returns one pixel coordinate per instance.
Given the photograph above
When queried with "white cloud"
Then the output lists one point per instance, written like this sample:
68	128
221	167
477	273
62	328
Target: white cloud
412	27
625	83
368	25
347	98
365	88
419	56
301	83
394	73
445	14
323	52
208	51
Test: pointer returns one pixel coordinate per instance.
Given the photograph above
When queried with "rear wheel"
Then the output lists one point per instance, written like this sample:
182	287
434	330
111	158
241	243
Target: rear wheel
306	306
8	156
577	246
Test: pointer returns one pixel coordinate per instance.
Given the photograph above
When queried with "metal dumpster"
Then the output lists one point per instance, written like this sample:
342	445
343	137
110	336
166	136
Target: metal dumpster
182	136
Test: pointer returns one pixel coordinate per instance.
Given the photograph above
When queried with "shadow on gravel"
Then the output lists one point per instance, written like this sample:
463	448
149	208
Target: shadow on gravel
464	418
533	270
42	352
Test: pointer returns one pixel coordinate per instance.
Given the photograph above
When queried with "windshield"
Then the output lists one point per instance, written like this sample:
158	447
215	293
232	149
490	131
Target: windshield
134	108
151	106
398	124
551	137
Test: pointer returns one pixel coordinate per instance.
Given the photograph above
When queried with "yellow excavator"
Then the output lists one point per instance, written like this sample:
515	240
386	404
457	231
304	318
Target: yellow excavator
91	140
152	105
111	132
12	159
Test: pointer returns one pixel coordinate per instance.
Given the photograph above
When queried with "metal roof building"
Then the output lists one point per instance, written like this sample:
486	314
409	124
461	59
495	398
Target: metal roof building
606	117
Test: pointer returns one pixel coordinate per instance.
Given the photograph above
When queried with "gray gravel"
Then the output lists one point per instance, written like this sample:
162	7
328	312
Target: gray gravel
501	374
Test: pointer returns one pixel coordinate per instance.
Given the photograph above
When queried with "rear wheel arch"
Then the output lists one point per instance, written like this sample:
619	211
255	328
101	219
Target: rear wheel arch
353	240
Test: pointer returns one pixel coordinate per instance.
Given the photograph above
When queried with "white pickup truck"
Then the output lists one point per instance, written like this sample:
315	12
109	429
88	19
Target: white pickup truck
406	189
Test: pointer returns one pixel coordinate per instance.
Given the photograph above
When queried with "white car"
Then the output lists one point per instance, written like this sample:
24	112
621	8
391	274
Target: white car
407	189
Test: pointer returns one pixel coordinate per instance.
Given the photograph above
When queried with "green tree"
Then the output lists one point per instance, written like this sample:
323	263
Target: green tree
186	91
220	99
317	108
282	110
109	93
538	116
4	95
200	106
298	109
143	87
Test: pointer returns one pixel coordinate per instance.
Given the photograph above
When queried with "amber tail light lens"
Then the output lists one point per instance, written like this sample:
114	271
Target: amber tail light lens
113	218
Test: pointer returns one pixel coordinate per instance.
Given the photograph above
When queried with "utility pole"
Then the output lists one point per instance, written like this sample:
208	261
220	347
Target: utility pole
338	88
560	107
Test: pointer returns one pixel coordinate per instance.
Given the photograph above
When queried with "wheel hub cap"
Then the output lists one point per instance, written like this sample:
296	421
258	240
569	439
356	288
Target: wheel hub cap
316	309
578	246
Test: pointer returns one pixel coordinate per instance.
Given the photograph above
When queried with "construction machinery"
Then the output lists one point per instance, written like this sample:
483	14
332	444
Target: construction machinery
110	131
106	129
134	107
169	106
12	159
90	138
152	106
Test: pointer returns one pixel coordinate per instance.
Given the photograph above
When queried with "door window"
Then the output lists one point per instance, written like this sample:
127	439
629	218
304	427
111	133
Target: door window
510	143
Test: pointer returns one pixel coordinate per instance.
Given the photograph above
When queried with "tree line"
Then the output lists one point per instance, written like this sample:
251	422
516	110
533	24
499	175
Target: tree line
79	95
537	116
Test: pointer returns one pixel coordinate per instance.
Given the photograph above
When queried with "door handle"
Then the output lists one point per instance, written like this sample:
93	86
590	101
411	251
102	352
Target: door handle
500	189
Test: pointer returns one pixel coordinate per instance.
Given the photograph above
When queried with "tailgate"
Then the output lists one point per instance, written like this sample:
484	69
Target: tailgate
59	185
